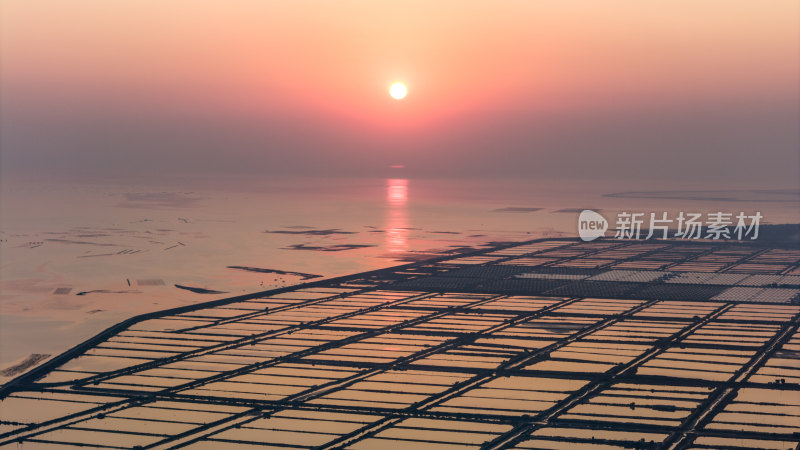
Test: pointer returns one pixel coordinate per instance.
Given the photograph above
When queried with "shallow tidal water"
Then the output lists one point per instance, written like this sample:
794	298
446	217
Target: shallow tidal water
79	257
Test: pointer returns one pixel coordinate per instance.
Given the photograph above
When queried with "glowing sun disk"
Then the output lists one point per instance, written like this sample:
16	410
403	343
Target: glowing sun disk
398	91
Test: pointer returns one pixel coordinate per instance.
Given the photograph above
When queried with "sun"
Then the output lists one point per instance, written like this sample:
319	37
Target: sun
398	91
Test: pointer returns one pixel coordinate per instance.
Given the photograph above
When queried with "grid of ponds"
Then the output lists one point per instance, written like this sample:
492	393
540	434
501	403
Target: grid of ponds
448	354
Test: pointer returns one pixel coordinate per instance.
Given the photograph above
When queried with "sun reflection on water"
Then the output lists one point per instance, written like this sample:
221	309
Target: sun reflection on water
397	218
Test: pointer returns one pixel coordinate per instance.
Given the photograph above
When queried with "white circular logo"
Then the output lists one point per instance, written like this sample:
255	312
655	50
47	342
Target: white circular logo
591	225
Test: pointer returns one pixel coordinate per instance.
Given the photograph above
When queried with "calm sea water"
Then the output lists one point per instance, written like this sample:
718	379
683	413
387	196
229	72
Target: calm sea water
79	257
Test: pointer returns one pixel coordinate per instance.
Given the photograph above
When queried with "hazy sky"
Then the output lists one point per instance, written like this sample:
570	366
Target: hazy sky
678	89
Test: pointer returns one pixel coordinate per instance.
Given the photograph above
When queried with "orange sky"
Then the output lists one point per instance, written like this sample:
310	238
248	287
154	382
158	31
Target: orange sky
329	64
